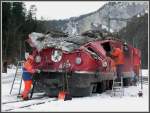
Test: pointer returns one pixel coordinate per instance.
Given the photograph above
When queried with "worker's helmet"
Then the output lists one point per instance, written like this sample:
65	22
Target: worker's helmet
125	43
125	47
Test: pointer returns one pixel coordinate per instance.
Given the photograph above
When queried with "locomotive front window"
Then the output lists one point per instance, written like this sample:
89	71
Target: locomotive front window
91	49
94	54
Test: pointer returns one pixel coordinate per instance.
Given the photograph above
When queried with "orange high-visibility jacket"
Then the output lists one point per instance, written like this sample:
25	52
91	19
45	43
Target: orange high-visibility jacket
28	65
119	57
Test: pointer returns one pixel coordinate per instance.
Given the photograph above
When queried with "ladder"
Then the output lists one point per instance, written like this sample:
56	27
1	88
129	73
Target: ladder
117	87
18	75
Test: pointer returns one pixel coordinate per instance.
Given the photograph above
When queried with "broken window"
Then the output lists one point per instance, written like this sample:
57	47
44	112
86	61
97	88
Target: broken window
106	46
93	53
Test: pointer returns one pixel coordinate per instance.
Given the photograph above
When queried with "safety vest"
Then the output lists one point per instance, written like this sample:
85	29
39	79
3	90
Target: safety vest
28	65
118	56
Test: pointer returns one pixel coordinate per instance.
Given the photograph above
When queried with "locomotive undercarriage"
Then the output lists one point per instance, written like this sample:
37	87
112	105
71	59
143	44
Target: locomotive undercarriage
78	84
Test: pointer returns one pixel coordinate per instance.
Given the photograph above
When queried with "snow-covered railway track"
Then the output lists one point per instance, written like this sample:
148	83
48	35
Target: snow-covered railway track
19	100
13	105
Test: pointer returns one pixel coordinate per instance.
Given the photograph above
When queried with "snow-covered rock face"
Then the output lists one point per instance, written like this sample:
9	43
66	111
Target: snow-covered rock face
71	28
41	41
123	10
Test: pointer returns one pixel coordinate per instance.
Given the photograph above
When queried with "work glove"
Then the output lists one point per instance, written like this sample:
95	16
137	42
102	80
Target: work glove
37	70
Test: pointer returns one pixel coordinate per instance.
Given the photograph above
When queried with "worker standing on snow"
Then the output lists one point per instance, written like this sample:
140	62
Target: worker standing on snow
28	71
118	57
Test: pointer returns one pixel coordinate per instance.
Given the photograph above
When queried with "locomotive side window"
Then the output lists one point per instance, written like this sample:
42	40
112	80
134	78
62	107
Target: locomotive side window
106	46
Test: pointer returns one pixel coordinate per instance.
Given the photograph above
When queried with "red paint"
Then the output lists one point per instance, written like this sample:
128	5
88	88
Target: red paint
88	63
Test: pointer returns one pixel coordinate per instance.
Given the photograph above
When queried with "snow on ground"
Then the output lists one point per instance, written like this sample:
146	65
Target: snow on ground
145	72
97	102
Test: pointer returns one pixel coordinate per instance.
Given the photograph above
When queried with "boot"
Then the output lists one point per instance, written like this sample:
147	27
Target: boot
28	84
24	95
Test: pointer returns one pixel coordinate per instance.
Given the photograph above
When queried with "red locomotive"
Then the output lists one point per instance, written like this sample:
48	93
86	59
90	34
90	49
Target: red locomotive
87	68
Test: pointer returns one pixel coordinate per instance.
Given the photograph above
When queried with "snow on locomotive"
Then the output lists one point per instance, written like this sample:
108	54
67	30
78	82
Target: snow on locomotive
86	67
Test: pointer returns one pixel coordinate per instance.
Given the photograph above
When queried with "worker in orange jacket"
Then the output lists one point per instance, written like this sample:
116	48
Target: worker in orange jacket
118	57
28	71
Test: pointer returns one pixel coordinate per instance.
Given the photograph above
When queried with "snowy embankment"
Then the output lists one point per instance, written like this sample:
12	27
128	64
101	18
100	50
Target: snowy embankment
97	102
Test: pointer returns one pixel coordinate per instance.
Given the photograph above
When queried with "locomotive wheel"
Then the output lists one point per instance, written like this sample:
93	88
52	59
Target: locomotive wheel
101	87
127	81
110	84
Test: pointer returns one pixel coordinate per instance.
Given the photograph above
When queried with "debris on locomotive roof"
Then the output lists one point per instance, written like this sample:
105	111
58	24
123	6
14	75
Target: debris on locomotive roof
62	40
57	34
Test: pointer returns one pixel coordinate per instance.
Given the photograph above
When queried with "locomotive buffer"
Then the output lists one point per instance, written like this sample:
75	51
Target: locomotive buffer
117	87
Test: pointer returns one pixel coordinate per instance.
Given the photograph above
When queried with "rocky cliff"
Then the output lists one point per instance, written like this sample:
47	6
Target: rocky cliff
113	15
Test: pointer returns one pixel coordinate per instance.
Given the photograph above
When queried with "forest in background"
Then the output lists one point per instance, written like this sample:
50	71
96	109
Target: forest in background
136	33
17	23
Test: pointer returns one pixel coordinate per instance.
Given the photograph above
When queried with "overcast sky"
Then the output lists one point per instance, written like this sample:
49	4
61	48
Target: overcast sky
63	10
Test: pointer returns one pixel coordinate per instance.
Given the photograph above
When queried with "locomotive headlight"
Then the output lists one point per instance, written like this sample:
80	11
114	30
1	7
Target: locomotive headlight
37	59
78	60
56	55
104	64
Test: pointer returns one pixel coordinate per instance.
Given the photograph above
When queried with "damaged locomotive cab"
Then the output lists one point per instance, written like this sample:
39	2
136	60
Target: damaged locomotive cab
86	64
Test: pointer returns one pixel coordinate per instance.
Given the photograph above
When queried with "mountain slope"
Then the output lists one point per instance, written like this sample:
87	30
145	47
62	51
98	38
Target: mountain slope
99	18
136	30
